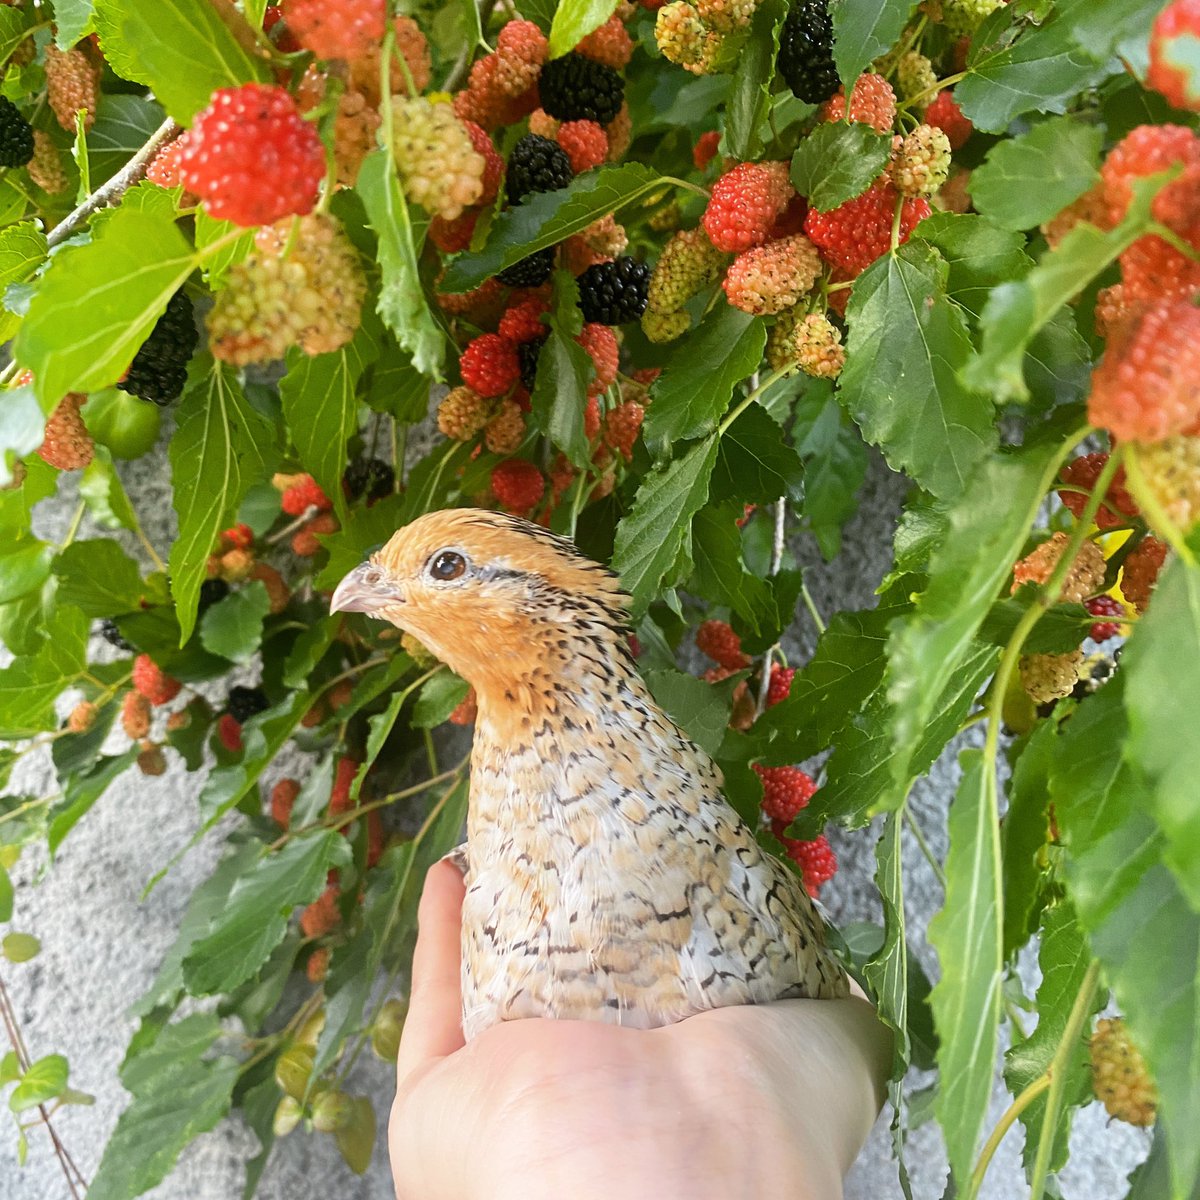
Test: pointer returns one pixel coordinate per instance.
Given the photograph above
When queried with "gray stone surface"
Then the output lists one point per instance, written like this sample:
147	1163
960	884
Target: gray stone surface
102	944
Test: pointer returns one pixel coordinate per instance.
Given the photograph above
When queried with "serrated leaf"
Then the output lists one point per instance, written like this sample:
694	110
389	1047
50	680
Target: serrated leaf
255	916
1162	662
574	20
859	776
564	370
966	572
320	407
1024	834
652	537
699	377
978	253
720	572
23	249
397	387
233	627
845	669
438	698
97	302
698	708
1064	957
906	344
1028	179
1058	630
45	1079
29	687
99	578
1139	922
838	161
123	126
967	936
177	1095
750	95
548	218
179	48
402	302
835	466
14	25
755	464
220	447
1044	70
73	19
863	30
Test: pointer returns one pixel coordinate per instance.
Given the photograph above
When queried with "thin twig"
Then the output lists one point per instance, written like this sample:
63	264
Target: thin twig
117	186
777	548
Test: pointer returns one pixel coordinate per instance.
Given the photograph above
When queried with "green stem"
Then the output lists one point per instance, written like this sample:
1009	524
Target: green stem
941	85
686	185
1057	1074
774	377
1014	1110
73	529
810	604
896	221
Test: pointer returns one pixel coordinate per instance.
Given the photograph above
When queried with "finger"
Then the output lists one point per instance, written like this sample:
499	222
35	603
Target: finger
433	1027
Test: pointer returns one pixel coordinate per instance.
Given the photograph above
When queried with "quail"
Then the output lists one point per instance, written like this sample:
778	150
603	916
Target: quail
607	878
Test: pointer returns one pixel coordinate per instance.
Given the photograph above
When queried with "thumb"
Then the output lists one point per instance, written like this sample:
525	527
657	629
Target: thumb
433	1027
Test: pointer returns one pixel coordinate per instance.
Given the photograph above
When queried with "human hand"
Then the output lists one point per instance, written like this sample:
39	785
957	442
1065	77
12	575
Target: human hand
748	1101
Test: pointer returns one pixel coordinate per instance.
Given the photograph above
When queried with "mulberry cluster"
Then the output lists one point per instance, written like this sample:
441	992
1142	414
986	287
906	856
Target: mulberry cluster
853	235
306	291
1082	473
1139	572
745	204
688	264
718	640
920	161
336	28
1084	578
611	293
1120	1078
536	164
1048	677
66	443
806	51
72	85
872	102
1171	469
685	39
769	278
159	369
16	136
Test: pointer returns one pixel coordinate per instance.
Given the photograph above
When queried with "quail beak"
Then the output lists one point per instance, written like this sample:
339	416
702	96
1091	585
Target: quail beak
367	589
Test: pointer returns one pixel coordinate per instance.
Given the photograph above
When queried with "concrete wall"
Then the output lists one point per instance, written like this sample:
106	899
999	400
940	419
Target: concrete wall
102	945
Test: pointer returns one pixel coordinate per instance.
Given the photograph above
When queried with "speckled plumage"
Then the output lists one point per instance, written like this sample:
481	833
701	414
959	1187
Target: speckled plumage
607	877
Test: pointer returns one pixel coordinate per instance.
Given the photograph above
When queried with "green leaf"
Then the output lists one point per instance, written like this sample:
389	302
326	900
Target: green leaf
699	377
397	387
45	1080
99	578
835	466
22	428
220	447
438	698
23	249
845	669
209	233
863	30
652	538
20	947
1024	834
979	254
10	1069
720	571
82	791
123	126
255	916
1028	179
1064	957
548	218
100	488
698	708
906	344
1163	691
97	302
755	464
321	408
1141	926
859	776
73	19
181	49
24	567
563	372
402	302
14	25
29	687
1058	630
967	937
6	895
966	572
233	627
177	1095
1043	70
839	161
574	20
750	96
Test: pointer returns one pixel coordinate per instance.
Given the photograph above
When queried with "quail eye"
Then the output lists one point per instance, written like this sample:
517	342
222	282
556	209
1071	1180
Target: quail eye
447	565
